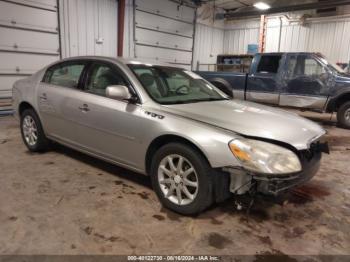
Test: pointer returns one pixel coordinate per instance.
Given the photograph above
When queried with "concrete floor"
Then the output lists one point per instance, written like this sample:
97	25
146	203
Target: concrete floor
63	202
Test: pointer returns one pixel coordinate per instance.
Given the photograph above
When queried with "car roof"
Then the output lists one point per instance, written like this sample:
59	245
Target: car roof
125	61
289	53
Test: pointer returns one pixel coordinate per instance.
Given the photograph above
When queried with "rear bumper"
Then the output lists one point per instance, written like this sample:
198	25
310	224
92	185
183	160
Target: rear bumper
274	185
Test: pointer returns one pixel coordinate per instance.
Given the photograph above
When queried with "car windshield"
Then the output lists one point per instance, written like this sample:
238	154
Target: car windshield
169	85
334	67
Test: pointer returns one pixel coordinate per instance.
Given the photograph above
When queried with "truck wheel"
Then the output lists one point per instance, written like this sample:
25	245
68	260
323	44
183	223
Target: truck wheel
343	115
32	132
228	91
182	179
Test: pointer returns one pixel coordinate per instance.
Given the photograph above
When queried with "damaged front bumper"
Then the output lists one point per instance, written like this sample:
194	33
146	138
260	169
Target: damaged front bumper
274	185
243	181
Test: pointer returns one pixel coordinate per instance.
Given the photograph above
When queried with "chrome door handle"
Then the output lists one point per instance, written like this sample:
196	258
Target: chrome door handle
84	108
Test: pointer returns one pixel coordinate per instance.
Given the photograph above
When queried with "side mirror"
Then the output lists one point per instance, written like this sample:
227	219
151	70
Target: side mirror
118	92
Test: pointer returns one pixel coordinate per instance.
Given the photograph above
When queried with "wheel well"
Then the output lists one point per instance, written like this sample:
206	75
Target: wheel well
223	85
23	106
341	100
163	140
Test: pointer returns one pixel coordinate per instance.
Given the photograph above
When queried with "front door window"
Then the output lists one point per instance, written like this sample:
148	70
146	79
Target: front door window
305	75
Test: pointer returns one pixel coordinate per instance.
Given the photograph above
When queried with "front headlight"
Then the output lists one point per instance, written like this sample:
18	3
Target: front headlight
262	157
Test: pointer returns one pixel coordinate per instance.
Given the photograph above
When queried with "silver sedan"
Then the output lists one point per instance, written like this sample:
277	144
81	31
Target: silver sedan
198	146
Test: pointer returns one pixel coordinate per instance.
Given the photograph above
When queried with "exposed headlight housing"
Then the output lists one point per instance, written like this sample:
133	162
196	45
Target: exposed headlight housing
265	158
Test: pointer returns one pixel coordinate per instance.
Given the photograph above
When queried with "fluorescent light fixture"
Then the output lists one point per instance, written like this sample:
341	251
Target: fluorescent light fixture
262	6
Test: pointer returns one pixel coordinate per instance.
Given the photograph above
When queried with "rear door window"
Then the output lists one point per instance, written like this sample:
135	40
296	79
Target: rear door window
269	64
66	75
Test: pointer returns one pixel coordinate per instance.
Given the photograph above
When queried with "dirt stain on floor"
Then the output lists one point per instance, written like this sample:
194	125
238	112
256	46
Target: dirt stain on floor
265	240
144	195
218	241
171	215
159	217
13	218
215	221
295	232
88	230
307	193
107	239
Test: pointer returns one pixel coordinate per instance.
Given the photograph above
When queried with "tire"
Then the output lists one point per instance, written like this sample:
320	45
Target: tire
227	90
343	115
202	175
30	124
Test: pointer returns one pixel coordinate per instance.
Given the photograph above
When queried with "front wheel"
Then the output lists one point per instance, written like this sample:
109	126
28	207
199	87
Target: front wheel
343	115
32	132
181	178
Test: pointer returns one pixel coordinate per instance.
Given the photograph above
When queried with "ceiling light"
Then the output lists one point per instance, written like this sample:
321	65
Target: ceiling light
262	6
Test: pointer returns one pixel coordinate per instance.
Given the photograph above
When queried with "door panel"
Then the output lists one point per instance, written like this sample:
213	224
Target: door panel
263	84
268	98
263	88
302	101
306	83
109	128
58	111
57	99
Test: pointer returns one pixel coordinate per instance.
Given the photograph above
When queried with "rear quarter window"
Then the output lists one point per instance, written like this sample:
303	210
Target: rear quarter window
66	75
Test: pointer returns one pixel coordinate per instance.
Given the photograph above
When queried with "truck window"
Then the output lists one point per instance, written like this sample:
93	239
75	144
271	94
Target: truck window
304	66
269	64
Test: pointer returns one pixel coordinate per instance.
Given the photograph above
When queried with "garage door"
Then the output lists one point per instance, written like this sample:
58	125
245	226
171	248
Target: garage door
29	39
164	31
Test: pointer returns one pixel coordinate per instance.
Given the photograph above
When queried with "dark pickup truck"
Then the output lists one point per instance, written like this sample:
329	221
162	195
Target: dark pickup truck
301	80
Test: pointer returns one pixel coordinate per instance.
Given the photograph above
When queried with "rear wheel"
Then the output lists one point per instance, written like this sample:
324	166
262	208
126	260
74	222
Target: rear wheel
182	179
32	132
343	115
225	89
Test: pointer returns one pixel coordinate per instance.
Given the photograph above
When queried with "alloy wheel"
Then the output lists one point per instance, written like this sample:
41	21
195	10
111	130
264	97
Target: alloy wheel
30	130
347	115
178	179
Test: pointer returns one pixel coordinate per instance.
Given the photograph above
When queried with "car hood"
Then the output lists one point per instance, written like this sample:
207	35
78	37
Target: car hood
251	119
343	78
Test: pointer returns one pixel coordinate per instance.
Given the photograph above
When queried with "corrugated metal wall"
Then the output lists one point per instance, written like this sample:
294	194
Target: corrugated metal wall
209	42
88	27
330	36
238	35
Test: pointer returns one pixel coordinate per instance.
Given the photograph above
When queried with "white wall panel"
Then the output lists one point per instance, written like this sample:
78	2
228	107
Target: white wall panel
45	4
329	36
23	63
209	42
84	22
29	39
155	38
16	15
159	23
128	43
163	31
239	34
167	9
164	55
6	82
